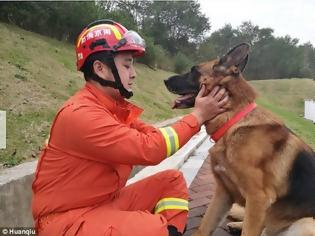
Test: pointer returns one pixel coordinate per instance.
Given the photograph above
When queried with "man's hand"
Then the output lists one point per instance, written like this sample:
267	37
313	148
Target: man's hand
209	106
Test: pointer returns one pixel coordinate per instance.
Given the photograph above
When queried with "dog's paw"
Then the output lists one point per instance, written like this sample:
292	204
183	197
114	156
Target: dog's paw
236	213
235	228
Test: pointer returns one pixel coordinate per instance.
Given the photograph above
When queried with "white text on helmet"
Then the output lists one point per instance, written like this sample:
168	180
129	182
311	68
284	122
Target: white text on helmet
96	33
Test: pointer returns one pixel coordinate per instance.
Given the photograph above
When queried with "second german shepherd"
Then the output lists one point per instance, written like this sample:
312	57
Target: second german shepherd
257	162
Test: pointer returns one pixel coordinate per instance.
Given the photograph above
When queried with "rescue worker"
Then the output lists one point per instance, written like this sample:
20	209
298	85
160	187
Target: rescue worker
95	139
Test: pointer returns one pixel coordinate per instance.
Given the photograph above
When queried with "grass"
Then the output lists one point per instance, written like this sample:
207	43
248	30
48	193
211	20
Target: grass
27	131
305	129
286	93
38	74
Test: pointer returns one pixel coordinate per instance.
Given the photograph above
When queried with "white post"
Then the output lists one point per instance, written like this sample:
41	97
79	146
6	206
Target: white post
3	130
309	110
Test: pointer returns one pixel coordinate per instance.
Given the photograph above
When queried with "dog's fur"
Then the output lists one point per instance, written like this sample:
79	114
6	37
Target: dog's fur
258	163
302	227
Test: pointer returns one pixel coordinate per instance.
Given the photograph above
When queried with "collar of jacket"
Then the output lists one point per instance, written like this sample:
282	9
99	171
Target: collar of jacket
123	110
237	117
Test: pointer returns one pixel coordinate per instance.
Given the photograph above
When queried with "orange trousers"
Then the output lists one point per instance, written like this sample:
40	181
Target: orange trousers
131	212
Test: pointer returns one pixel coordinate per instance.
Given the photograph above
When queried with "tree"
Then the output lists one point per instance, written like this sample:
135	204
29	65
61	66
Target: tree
308	60
176	25
218	43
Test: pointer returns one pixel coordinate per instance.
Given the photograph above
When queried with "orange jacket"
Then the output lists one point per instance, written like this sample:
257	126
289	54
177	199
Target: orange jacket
94	142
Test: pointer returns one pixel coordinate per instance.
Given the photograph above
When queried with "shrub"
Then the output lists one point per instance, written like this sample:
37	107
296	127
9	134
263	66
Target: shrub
182	63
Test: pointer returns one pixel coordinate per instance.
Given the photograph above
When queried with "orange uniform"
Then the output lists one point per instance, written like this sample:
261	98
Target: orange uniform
79	186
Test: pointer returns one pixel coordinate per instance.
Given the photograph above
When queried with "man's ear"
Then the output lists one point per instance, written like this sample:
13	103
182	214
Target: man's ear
101	70
97	67
237	56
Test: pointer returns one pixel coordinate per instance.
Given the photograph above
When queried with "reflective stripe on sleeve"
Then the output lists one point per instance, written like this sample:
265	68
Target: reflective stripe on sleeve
171	140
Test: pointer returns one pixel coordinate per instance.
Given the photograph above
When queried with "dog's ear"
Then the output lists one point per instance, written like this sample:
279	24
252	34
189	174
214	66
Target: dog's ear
243	64
237	56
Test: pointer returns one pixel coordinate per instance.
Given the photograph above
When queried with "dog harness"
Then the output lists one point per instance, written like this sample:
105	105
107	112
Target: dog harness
237	117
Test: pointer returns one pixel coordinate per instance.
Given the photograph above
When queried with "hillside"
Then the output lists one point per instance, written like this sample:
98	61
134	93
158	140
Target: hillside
287	93
37	74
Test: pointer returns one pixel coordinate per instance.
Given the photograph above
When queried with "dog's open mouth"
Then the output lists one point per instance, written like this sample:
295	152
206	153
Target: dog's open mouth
184	101
185	87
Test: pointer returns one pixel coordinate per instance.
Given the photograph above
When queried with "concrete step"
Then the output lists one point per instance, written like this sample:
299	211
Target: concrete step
195	161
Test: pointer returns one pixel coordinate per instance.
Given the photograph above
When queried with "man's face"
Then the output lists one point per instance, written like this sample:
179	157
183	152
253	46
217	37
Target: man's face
127	73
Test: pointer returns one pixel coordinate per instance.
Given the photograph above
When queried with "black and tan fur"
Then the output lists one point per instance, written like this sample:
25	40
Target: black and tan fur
258	163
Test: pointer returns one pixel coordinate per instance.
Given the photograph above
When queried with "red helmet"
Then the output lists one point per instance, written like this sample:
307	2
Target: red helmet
107	35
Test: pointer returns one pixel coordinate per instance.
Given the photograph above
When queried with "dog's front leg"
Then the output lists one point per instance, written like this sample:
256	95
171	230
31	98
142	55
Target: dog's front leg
219	206
255	213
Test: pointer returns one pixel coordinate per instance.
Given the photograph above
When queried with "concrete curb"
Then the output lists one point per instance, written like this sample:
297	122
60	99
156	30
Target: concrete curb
15	173
16	194
194	163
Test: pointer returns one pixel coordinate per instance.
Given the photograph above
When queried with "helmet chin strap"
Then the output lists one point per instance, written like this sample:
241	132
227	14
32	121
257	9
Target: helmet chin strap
117	84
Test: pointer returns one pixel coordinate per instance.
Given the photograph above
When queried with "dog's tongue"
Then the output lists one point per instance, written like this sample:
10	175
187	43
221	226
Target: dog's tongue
179	100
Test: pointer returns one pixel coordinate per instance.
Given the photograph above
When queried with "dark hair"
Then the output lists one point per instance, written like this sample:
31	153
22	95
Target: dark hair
87	68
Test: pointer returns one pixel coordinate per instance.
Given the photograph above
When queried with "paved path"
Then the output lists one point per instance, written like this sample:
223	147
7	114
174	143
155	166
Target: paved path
197	171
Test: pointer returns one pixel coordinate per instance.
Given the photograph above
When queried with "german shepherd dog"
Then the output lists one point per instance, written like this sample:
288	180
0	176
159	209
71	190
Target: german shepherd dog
258	162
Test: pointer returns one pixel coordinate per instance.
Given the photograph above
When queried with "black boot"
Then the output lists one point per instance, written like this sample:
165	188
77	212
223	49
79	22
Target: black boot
172	231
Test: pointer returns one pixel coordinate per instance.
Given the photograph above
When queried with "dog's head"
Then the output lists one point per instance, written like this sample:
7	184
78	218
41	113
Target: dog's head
211	73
